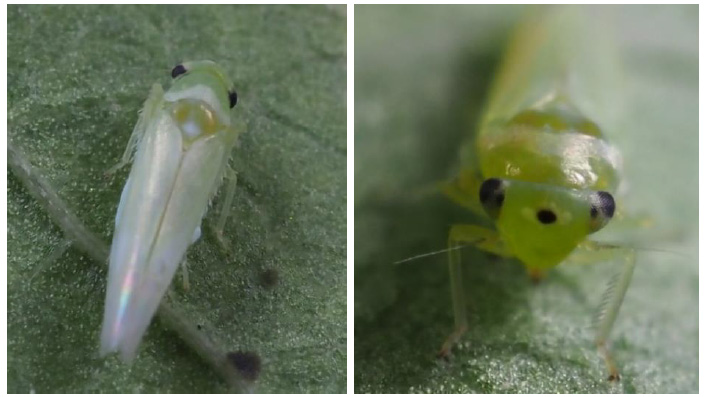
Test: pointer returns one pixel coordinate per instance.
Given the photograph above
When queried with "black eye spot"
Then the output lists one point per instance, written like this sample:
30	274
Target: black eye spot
601	210
593	212
546	217
606	204
489	188
492	194
233	98
178	71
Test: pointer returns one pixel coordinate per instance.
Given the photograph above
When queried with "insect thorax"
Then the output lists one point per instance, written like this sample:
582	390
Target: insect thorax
554	146
195	119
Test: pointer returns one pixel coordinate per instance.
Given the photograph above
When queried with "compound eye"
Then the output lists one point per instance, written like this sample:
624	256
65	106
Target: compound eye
178	71
602	210
492	193
233	98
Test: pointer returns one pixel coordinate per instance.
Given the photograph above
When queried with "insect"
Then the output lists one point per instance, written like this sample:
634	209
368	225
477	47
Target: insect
540	165
181	143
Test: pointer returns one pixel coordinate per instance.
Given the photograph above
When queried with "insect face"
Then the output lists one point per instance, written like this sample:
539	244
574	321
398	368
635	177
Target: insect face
542	224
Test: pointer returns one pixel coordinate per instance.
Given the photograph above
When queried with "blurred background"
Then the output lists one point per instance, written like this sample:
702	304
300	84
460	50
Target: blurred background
421	78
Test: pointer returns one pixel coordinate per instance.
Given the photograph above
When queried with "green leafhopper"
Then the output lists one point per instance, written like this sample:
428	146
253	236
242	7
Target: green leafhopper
540	165
182	143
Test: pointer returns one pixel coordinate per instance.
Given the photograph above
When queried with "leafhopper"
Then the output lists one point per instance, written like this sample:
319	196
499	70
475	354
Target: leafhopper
181	143
540	165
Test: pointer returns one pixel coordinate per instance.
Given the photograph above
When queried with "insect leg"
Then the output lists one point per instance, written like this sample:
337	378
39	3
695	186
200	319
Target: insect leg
460	235
152	105
464	190
613	297
185	275
232	177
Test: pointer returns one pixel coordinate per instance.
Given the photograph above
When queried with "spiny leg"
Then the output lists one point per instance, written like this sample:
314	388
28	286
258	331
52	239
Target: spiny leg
484	239
152	105
613	296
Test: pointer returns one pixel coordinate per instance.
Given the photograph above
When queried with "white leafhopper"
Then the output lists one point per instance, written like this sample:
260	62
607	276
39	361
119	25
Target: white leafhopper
182	143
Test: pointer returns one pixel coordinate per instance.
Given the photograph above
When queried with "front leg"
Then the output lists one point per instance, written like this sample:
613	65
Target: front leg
592	252
464	190
153	104
459	236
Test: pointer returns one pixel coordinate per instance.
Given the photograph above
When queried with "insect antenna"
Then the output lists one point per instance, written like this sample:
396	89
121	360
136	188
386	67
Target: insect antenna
426	254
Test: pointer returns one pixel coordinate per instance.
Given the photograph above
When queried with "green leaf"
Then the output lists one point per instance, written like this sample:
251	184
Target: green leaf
76	77
422	74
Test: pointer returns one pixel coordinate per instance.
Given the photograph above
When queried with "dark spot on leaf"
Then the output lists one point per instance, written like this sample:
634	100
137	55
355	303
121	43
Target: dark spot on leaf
269	278
247	363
